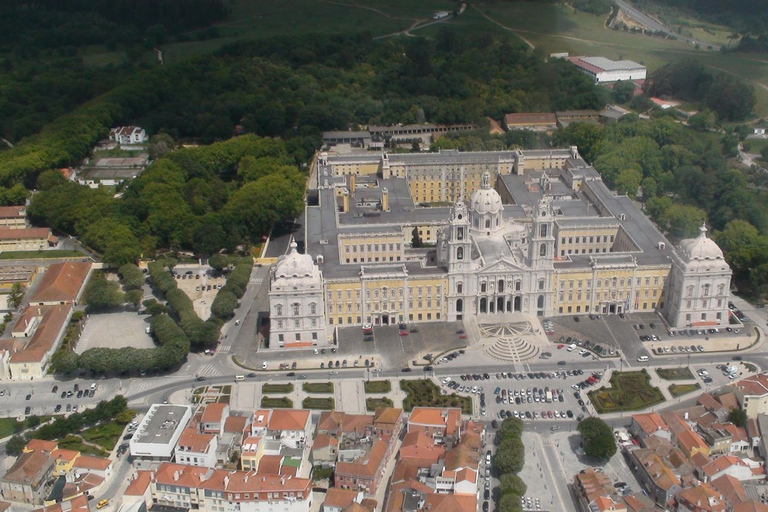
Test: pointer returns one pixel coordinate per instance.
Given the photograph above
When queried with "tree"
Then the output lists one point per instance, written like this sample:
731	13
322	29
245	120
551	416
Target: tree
15	446
134	297
416	239
160	144
623	91
738	417
510	427
703	121
597	438
511	483
131	277
101	293
509	503
224	304
509	456
16	295
218	262
628	181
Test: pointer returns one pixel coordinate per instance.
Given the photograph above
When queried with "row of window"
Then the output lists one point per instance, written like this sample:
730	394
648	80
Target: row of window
370	259
583	239
411	317
296	309
607	295
704	290
297	336
296	323
374	247
705	304
383	306
612	282
604	308
563	252
387	291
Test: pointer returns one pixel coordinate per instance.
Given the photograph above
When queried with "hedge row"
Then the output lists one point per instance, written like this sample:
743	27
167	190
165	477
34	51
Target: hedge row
226	300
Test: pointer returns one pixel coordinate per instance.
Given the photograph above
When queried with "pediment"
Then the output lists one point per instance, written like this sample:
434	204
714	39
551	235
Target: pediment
503	265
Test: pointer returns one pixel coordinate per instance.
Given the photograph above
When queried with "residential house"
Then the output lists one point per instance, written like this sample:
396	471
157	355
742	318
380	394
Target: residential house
593	490
43	328
719	440
196	449
77	504
659	481
213	417
27	481
127	135
752	393
407	494
753	433
420	449
139	489
450	503
337	423
251	453
739	439
713	405
649	424
337	500
13	217
726	465
208	489
442	424
292	427
700	498
691	443
64	461
461	463
325	448
387	423
731	489
750	506
364	474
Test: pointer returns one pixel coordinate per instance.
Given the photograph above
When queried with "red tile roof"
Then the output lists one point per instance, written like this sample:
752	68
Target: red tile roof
25	234
232	481
28	467
12	211
77	504
194	442
530	119
750	506
450	503
650	423
368	465
339	498
704	497
45	336
61	283
213	412
139	484
288	419
39	444
235	424
89	462
730	488
755	385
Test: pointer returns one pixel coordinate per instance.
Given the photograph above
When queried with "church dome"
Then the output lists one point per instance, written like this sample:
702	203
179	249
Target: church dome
295	264
701	248
485	199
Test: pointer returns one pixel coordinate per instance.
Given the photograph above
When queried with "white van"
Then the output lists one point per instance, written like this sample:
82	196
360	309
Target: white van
571	347
643	359
238	378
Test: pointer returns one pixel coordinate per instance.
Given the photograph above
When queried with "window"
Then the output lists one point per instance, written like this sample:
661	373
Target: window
706	291
279	309
459	287
279	324
314	322
296	324
689	290
500	287
487	223
540	302
298	336
543	250
720	289
541	284
295	310
313	308
543	231
460	234
482	287
460	253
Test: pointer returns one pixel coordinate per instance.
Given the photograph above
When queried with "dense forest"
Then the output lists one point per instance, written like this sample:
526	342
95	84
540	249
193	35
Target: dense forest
746	16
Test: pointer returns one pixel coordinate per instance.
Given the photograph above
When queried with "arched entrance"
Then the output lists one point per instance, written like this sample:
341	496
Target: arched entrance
500	304
518	303
483	305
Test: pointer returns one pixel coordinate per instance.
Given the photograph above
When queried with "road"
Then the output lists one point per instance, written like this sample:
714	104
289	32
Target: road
655	25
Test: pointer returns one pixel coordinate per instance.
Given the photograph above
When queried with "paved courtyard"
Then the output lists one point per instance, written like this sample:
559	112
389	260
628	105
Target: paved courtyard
115	330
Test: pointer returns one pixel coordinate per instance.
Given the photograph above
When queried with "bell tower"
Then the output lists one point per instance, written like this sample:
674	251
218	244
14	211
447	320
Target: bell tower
541	250
459	244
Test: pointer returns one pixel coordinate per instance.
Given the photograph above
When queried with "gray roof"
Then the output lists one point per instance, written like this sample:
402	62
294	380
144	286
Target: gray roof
161	427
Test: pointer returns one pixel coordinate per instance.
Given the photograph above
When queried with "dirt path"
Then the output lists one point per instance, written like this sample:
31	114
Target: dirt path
370	9
516	32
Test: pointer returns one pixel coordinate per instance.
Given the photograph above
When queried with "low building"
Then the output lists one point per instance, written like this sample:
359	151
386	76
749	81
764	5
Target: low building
159	432
649	424
533	122
21	274
26	239
337	500
606	70
139	491
127	135
325	448
62	283
76	504
13	217
40	329
28	480
251	453
658	480
566	117
213	418
594	490
387	423
292	427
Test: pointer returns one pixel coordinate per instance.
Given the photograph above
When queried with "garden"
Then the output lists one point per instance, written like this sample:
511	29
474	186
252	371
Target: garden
274	389
318	387
371	404
378	386
674	373
677	390
424	393
269	402
325	404
629	391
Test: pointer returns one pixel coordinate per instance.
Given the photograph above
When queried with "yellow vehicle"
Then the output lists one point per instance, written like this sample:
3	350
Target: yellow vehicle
102	504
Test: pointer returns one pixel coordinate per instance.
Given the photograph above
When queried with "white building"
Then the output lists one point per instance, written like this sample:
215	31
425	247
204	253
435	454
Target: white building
159	431
297	307
497	265
292	427
699	284
606	70
196	449
128	135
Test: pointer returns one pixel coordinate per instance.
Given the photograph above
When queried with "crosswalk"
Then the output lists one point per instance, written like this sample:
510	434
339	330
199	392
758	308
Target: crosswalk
226	346
256	280
208	370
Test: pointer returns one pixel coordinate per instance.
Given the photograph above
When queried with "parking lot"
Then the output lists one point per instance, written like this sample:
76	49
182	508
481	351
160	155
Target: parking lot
115	330
199	284
553	395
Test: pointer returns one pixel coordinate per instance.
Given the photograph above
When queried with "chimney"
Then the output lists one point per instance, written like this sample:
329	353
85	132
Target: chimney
226	481
175	476
352	183
385	199
345	202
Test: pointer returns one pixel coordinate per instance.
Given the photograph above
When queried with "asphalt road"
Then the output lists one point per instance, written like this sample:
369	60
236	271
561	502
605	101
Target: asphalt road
654	25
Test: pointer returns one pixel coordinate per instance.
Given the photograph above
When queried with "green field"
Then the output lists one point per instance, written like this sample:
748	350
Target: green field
106	435
371	404
675	373
277	388
325	404
276	403
30	255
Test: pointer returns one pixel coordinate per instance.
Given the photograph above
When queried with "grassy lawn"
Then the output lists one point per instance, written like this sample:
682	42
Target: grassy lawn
371	404
674	373
9	426
106	435
325	404
318	387
629	391
424	393
276	403
29	255
755	145
72	442
378	386
681	389
277	388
